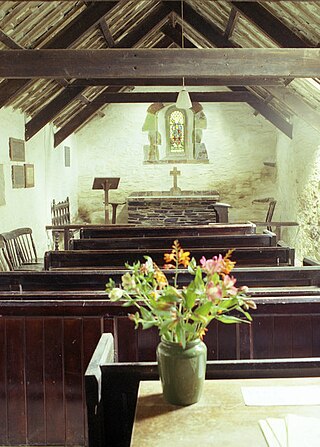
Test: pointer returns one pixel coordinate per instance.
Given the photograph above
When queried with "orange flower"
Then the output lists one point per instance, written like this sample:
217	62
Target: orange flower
184	257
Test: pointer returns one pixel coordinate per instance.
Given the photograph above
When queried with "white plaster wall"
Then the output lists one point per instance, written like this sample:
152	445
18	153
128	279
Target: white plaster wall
237	143
298	165
30	207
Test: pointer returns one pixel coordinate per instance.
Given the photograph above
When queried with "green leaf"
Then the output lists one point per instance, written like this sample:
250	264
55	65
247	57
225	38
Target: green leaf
190	297
192	266
146	315
229	319
181	335
204	309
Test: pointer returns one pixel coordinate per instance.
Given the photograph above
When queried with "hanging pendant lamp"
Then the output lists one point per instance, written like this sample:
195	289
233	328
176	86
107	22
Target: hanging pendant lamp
183	99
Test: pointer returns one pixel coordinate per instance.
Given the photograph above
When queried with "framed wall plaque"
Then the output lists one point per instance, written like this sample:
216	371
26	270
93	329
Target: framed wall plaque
18	176
29	175
17	149
67	157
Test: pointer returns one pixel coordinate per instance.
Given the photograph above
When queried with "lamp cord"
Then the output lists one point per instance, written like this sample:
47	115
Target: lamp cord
182	35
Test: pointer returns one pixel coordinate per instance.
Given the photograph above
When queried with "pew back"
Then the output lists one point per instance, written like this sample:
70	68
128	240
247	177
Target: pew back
267	239
85	259
171	232
253	277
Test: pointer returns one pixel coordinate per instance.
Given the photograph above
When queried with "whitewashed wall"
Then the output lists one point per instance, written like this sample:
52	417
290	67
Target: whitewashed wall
237	143
298	166
30	207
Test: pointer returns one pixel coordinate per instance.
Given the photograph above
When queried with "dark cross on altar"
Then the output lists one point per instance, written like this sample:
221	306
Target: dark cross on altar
175	189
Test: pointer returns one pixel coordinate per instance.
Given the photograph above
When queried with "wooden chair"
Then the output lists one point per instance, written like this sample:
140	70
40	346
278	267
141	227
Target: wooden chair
5	264
272	205
21	250
60	212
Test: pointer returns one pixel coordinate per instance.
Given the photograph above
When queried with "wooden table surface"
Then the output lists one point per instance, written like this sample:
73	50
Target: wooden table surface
219	419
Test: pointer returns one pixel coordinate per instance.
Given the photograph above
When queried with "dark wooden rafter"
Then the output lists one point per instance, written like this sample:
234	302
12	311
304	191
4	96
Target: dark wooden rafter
105	31
199	23
231	23
51	110
86	20
270	25
264	109
104	28
10	43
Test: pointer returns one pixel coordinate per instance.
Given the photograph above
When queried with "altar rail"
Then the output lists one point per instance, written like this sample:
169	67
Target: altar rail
112	388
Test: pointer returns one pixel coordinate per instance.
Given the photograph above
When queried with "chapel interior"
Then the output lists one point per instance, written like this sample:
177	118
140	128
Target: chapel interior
88	113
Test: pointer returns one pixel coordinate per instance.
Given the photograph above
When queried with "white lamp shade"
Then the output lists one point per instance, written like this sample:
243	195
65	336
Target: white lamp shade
183	100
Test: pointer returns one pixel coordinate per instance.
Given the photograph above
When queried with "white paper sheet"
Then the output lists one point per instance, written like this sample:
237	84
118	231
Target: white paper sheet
281	395
279	429
271	439
303	431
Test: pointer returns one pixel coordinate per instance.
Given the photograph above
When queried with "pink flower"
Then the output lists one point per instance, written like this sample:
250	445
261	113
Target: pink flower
214	292
213	265
229	282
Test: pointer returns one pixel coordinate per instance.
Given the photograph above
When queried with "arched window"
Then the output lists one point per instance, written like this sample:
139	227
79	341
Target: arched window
177	131
175	135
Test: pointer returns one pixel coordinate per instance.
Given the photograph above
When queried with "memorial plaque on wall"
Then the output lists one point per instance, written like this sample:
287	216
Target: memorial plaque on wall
29	175
67	157
17	149
18	176
2	192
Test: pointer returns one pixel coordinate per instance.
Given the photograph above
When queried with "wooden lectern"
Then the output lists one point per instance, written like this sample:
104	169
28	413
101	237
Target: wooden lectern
106	183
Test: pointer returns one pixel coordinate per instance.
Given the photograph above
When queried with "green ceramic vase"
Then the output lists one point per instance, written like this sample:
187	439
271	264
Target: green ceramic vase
182	371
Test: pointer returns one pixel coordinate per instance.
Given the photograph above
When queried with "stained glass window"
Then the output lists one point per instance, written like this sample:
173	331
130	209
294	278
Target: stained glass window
177	132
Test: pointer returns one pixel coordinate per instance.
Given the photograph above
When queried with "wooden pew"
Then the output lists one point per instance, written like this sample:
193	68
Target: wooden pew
253	277
84	259
171	232
267	239
112	388
59	331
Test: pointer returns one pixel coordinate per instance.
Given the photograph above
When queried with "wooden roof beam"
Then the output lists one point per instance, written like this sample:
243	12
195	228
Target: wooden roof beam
234	62
270	25
74	89
150	97
220	81
66	37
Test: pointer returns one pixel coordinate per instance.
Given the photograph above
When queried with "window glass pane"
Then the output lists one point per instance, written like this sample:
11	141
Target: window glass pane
177	132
